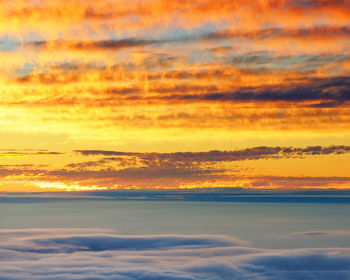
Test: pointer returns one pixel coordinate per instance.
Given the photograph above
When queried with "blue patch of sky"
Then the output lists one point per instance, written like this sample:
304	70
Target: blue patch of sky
25	69
299	63
179	33
9	43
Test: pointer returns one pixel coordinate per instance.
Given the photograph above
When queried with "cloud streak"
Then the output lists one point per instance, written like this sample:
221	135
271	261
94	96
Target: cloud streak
186	15
318	233
255	153
288	93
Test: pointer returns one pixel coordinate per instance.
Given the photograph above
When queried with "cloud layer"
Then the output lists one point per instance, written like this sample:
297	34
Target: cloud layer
85	254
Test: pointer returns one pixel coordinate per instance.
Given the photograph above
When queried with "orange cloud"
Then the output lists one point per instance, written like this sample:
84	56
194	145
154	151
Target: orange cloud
200	75
113	169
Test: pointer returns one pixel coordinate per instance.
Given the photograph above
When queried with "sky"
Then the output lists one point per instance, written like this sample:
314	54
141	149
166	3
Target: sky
151	94
182	140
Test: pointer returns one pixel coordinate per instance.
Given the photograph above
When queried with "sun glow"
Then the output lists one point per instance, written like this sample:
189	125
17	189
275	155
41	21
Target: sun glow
58	186
38	186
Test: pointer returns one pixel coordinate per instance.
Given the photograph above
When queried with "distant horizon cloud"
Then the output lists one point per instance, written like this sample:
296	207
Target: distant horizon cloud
318	233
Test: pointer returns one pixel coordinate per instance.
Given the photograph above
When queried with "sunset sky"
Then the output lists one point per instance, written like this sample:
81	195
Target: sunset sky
100	95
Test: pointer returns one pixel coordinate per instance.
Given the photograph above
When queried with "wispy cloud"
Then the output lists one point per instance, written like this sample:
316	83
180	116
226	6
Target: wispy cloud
25	153
255	153
318	233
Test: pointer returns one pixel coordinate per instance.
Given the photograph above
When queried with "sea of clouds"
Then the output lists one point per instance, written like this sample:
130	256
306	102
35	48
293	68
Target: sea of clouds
103	254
